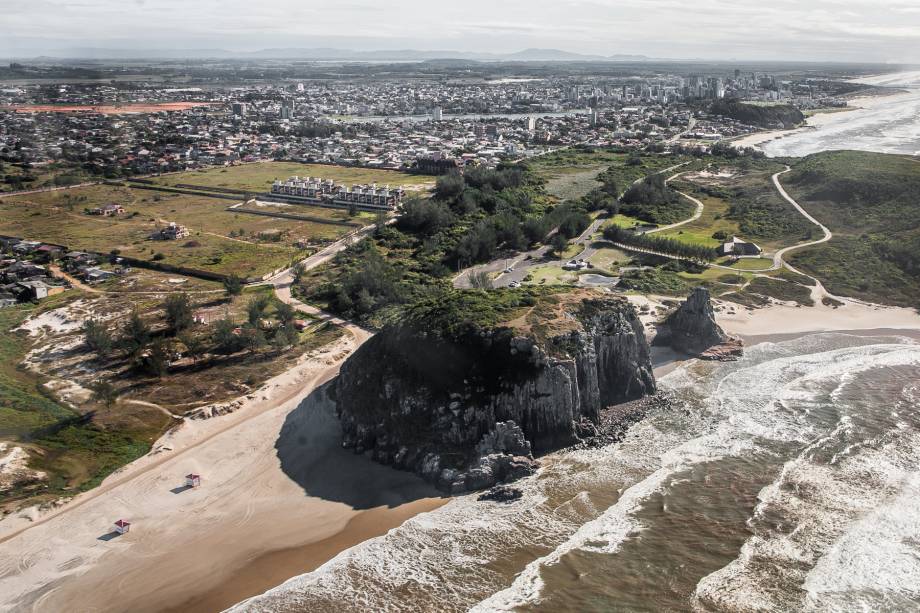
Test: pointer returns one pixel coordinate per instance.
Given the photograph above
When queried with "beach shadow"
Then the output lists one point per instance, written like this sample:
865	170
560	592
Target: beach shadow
180	489
108	537
310	449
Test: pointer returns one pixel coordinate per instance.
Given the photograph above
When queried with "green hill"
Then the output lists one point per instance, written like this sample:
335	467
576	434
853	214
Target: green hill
871	202
774	116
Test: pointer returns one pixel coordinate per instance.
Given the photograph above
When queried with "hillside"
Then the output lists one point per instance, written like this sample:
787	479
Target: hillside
772	116
870	202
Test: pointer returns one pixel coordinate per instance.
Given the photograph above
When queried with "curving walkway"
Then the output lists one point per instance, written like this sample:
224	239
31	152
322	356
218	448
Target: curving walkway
696	215
828	235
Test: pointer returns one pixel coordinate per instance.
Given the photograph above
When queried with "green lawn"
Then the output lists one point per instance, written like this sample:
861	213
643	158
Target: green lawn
623	221
754	264
714	219
609	259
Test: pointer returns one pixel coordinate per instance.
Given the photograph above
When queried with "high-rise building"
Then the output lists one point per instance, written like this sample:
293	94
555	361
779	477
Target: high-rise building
531	123
239	109
437	114
594	117
287	109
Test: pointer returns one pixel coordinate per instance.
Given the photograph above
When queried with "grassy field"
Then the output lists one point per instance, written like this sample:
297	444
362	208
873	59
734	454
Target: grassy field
572	173
714	219
869	201
741	191
754	264
258	177
623	221
222	241
550	275
609	259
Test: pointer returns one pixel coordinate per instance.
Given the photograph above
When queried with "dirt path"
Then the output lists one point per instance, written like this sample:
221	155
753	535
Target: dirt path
152	405
89	289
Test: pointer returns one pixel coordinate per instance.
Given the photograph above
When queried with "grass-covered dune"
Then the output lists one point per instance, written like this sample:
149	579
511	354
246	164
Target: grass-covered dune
871	202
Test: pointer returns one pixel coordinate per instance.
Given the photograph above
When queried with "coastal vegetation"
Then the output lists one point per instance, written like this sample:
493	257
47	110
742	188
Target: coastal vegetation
83	400
869	201
651	200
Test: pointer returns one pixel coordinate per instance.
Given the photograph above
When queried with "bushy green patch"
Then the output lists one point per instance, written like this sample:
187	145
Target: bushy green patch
653	201
869	201
655	281
785	291
774	116
454	313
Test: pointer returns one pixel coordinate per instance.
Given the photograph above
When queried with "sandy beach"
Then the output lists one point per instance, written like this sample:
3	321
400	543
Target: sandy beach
278	497
783	319
857	103
815	121
788	319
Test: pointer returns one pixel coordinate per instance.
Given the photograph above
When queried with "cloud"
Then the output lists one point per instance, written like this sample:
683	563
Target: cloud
846	30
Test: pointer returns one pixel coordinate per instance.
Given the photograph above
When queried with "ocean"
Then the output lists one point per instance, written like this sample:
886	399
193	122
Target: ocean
786	481
885	125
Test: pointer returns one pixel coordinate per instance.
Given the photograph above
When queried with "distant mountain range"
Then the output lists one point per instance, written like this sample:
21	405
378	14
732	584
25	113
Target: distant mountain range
342	55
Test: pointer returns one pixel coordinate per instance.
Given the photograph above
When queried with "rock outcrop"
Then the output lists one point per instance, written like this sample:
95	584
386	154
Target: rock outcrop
469	409
692	329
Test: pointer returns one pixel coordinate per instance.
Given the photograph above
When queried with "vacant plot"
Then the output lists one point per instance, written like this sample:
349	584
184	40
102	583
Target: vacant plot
744	202
221	241
258	177
573	185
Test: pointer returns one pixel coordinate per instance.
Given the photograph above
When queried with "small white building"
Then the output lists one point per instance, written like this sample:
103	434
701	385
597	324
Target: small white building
192	480
122	526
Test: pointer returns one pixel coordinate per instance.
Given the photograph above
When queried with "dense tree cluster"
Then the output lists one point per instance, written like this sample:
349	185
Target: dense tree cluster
659	244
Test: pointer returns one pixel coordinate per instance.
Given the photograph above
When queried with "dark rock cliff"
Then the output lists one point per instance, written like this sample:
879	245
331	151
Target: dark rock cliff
692	329
468	410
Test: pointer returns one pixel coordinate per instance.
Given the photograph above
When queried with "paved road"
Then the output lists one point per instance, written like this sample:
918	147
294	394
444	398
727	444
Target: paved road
521	264
828	235
696	215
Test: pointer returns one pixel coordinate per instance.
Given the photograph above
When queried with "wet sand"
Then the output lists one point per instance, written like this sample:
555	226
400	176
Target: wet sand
274	568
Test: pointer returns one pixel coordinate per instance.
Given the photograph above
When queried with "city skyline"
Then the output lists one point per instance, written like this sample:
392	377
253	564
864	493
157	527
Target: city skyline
824	30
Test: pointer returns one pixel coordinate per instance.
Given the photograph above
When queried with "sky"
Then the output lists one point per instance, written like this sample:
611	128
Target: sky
818	30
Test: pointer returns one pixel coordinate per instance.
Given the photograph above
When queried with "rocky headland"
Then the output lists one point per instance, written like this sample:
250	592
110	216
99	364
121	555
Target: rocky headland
692	329
467	389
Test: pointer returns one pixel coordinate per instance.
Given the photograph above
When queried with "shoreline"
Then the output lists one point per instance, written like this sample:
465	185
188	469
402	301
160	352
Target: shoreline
817	120
278	496
273	568
785	319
